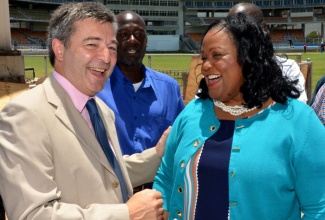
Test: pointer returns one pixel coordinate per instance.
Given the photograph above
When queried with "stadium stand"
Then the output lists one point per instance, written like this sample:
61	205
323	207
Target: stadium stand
195	36
15	14
18	37
35	14
278	35
297	34
24	36
286	20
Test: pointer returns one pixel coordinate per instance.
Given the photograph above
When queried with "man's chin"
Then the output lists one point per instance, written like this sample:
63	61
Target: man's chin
131	62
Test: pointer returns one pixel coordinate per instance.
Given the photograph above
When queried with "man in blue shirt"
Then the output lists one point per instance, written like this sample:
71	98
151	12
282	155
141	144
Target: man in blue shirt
145	102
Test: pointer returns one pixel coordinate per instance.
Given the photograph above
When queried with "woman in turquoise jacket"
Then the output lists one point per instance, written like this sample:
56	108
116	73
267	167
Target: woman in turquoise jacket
245	148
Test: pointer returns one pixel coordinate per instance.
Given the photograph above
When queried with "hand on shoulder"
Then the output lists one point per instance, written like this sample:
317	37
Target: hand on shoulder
160	147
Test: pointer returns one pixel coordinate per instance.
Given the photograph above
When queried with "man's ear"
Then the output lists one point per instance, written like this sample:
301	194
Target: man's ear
58	49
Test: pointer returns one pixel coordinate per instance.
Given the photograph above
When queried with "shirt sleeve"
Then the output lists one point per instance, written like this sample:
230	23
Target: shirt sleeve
291	70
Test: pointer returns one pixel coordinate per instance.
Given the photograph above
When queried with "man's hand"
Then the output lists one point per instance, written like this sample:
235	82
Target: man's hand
160	147
146	205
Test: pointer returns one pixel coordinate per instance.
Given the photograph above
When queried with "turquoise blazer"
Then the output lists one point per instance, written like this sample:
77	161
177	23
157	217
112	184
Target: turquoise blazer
276	168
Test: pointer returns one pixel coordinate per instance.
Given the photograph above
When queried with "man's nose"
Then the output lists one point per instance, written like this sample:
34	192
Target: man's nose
132	37
106	54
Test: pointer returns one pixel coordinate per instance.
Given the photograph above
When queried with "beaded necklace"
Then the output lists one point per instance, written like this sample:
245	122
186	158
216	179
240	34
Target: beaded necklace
233	110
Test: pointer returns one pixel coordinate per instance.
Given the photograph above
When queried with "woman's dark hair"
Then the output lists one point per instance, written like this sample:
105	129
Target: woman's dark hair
255	53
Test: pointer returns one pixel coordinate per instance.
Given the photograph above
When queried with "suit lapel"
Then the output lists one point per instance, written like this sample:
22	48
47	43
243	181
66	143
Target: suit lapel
73	120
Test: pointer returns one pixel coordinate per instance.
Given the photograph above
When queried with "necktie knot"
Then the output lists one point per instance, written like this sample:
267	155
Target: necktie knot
91	107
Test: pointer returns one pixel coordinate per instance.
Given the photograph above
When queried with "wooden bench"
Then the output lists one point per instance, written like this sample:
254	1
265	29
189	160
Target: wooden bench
30	69
306	69
8	90
193	79
288	55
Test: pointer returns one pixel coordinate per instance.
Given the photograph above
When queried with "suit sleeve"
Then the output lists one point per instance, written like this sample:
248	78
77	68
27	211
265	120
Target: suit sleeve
142	167
294	73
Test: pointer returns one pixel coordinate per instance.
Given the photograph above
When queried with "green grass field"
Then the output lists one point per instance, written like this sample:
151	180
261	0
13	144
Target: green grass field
175	63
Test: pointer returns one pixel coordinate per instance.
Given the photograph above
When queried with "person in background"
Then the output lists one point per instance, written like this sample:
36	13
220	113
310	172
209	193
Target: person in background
145	102
319	104
305	48
53	163
245	148
319	84
289	67
322	47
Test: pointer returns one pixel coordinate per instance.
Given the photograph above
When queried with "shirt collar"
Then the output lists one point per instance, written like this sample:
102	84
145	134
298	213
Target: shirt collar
78	98
119	76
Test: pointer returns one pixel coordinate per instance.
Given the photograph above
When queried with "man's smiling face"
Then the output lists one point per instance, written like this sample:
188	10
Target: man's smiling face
132	39
90	57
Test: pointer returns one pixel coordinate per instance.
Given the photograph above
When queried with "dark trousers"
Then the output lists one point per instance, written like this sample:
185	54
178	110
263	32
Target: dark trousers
2	210
142	187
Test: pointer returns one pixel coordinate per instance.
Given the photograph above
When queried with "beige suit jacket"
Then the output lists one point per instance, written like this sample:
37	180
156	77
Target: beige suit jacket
52	166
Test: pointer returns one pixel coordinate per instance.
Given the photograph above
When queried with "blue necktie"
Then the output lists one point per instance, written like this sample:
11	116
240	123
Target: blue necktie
102	138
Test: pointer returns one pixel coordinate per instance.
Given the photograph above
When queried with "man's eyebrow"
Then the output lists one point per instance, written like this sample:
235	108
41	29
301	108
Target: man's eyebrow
92	38
114	42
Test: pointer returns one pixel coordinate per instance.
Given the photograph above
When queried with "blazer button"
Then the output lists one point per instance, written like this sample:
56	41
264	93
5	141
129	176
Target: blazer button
179	213
115	184
240	127
196	143
180	190
213	128
182	164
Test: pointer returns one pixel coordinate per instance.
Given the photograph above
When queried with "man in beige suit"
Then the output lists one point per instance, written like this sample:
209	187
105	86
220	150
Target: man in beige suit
51	164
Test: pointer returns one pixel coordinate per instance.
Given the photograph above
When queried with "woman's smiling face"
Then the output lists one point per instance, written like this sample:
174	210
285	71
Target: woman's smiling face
222	72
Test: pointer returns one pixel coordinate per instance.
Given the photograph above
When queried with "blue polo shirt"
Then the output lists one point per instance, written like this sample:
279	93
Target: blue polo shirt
142	116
